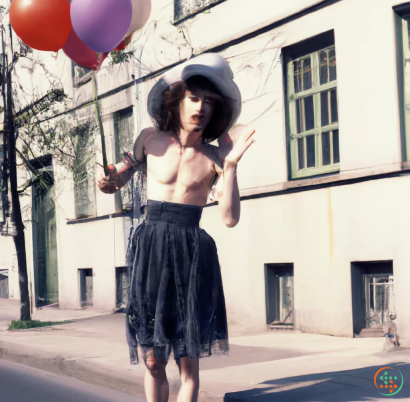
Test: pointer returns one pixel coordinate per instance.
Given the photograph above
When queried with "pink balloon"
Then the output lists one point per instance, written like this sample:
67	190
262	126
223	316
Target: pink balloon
141	10
81	54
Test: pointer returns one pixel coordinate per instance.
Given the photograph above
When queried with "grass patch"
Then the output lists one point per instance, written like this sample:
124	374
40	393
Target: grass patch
35	324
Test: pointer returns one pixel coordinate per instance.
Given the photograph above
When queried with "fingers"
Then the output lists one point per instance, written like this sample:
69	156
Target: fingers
248	144
107	186
250	136
247	133
108	190
246	147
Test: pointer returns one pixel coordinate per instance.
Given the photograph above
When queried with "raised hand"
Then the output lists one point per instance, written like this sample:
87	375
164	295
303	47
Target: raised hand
109	184
245	140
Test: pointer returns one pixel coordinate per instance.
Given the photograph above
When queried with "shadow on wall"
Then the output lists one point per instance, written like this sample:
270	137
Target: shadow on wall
340	386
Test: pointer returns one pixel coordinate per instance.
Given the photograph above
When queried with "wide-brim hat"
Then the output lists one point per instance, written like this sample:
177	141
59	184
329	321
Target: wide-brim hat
211	66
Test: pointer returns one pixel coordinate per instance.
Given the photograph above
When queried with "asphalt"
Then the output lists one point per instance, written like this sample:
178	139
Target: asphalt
22	384
334	386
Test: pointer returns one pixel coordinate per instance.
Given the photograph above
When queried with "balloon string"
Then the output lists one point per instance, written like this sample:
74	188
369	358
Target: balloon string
100	125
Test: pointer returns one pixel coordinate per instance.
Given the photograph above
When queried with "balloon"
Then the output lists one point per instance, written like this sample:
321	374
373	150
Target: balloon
141	10
120	47
124	43
101	24
41	24
80	53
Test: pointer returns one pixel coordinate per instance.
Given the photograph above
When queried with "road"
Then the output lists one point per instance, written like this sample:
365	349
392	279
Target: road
23	384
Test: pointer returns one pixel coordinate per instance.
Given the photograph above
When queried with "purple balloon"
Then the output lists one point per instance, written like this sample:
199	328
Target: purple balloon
101	24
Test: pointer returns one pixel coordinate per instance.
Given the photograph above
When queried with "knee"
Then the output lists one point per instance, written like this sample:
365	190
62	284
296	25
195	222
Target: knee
189	371
155	368
191	379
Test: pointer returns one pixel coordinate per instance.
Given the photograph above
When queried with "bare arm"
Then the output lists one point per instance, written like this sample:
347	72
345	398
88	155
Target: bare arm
230	204
122	172
139	146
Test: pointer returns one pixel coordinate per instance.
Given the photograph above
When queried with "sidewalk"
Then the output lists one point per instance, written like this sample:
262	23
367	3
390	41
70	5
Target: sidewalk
265	367
10	310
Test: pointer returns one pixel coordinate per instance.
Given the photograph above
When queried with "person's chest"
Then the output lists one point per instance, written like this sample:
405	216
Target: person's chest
191	168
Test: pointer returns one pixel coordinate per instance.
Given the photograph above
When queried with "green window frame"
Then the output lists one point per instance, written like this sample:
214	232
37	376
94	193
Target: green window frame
84	193
124	142
403	63
84	172
312	109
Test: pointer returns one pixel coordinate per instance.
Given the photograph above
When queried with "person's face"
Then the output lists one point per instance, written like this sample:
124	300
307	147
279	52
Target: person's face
196	109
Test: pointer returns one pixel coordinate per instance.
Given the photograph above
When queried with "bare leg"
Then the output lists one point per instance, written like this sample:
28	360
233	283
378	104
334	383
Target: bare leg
156	383
189	369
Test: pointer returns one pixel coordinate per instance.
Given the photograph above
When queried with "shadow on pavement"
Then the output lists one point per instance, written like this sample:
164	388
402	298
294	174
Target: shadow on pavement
340	386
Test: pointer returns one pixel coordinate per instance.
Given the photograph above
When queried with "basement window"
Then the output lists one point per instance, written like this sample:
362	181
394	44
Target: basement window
279	294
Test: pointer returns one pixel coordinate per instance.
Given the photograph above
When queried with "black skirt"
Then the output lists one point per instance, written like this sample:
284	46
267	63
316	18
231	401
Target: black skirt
176	300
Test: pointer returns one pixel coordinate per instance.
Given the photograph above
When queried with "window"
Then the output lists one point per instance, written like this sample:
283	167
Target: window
86	287
122	279
4	283
124	142
279	294
81	75
373	302
84	171
404	77
185	8
84	192
312	107
2	185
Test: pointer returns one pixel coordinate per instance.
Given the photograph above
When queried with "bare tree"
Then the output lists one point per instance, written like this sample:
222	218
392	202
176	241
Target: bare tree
69	142
16	217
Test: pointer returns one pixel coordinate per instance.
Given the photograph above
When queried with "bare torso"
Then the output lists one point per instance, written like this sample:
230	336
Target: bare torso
175	174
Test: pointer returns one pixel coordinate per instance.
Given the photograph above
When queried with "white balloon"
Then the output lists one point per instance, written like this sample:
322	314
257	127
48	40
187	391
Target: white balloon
141	10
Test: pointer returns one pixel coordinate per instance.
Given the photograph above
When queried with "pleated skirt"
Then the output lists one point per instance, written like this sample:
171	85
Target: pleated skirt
176	301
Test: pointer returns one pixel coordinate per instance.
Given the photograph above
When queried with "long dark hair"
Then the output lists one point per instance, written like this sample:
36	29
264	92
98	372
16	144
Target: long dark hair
168	116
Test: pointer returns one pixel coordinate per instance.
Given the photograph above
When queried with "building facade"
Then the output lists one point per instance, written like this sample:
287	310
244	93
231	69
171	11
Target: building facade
323	241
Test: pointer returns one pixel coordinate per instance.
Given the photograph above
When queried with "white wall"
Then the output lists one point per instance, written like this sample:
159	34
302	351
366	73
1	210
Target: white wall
321	232
7	261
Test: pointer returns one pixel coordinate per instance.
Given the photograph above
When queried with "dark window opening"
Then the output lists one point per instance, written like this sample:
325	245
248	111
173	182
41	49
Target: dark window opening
4	284
122	280
86	287
279	294
372	297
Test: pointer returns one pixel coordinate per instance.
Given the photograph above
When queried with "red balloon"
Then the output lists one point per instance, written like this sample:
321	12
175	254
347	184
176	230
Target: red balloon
41	24
80	53
121	46
124	43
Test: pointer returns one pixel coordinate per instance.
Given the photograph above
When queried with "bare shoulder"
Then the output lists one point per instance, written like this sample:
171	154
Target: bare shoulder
157	135
140	143
147	133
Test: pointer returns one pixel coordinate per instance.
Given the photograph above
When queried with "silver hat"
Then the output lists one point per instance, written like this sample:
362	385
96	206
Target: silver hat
209	65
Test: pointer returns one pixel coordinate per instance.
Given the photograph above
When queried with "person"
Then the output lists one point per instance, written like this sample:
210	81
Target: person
176	300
